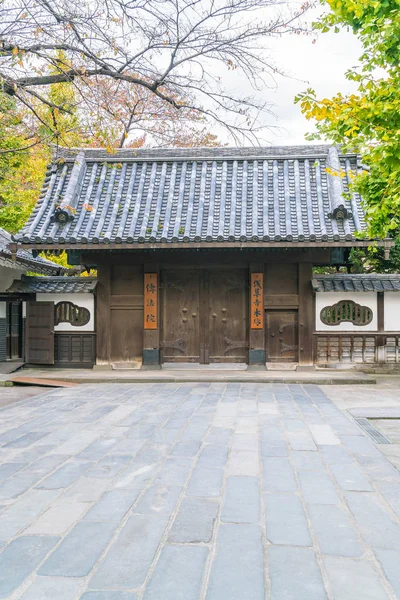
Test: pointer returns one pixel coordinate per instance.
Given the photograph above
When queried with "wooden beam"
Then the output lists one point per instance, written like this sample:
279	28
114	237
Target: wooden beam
306	314
257	335
381	311
380	341
103	315
282	300
151	337
199	245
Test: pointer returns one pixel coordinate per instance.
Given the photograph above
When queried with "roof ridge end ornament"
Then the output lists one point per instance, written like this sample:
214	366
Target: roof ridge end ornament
65	211
340	213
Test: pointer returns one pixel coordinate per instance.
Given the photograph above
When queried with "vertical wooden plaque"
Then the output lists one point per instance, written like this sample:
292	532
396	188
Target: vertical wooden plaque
257	301
150	301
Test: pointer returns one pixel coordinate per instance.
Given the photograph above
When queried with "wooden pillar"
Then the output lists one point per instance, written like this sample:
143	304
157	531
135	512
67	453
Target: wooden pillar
257	316
306	315
380	340
151	318
103	314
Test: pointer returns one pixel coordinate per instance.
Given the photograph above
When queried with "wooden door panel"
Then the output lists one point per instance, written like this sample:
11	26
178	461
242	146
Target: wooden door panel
180	336
127	334
228	316
40	333
282	335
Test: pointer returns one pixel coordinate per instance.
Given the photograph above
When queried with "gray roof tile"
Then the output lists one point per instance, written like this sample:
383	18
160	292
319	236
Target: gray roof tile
196	195
53	285
24	259
356	283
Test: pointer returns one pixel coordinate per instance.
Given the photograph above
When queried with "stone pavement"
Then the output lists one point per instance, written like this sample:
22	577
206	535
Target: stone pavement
194	491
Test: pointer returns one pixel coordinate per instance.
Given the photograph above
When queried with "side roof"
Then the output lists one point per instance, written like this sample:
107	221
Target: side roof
25	261
197	195
356	283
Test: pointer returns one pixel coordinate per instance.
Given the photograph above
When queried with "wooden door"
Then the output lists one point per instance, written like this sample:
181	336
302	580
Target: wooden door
227	315
14	330
40	333
180	331
282	336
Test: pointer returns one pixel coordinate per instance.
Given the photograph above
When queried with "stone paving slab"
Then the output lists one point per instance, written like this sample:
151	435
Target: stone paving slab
194	491
203	373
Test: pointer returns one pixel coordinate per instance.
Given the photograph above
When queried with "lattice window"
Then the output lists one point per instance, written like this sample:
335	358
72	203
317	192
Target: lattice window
67	312
346	311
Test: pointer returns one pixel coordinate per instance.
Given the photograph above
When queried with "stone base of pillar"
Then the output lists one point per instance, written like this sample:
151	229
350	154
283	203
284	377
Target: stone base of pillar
151	358
257	358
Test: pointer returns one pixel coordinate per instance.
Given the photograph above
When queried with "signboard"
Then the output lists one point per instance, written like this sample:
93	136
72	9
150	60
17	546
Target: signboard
257	301
150	300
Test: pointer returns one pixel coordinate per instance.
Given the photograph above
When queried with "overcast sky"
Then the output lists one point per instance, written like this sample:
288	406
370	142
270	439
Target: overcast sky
321	65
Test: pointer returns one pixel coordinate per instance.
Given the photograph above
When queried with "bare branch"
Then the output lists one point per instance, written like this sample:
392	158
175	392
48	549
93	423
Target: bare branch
177	50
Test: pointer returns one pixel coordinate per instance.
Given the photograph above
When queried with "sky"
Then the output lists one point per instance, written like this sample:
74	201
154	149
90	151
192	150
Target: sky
319	61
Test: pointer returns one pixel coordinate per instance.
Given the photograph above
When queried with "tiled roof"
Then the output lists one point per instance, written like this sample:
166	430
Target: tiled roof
281	194
25	261
356	283
53	285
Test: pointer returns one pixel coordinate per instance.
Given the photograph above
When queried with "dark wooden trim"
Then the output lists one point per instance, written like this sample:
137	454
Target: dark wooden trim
328	333
381	311
197	245
4	297
306	314
61	332
381	317
193	258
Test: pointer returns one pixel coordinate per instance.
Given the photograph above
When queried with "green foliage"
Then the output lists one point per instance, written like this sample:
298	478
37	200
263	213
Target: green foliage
18	177
369	120
372	260
25	152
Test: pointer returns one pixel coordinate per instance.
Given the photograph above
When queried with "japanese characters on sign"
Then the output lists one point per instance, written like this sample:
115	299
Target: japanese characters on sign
257	301
150	300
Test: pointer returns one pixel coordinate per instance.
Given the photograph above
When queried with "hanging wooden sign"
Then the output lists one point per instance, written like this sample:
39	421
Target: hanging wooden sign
150	300
257	301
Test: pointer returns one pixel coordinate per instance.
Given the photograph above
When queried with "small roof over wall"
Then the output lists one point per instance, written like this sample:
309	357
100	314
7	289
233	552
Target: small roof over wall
53	285
282	195
25	261
356	283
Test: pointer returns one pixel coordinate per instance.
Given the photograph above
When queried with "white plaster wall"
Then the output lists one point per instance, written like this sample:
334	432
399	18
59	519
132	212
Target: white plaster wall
86	300
392	311
328	298
7	276
2	310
